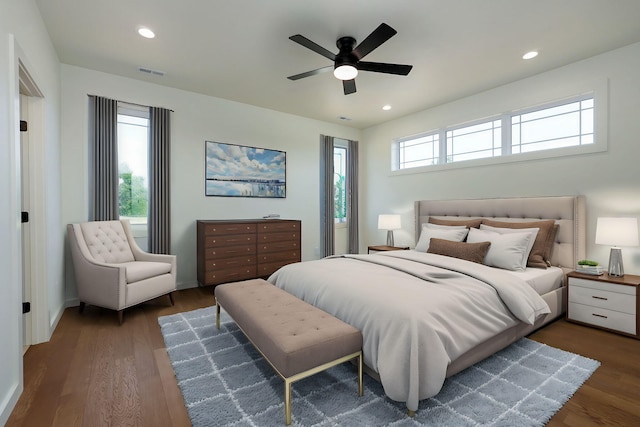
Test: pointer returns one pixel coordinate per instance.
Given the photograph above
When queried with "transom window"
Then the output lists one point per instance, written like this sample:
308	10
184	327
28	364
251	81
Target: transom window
569	123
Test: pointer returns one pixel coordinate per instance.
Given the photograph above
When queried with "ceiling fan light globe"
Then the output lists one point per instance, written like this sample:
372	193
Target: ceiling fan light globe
345	72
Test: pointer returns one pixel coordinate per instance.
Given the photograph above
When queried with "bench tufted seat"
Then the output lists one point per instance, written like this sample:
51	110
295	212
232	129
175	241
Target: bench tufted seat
296	338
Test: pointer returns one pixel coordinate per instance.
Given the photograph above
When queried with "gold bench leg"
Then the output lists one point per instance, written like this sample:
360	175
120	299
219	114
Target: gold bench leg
360	385
217	315
287	402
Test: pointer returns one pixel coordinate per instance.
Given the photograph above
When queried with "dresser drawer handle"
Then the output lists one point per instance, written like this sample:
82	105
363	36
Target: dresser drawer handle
602	298
599	315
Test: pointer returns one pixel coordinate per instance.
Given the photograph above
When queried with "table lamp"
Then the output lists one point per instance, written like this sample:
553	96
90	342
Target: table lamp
389	222
617	232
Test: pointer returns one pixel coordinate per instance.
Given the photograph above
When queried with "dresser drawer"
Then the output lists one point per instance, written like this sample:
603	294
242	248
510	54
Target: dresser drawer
229	240
279	256
224	263
216	277
229	251
269	268
273	227
609	319
285	245
601	298
233	228
278	237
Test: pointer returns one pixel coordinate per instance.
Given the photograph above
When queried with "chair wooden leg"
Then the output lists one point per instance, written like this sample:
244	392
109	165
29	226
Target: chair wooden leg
121	316
81	308
171	297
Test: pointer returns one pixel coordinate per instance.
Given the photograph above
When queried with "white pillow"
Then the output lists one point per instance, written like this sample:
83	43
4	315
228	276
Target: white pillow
453	234
532	240
444	227
508	251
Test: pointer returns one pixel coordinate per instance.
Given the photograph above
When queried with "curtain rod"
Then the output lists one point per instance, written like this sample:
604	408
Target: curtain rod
132	103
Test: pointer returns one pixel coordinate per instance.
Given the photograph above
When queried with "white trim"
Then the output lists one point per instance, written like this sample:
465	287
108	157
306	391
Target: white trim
40	320
598	89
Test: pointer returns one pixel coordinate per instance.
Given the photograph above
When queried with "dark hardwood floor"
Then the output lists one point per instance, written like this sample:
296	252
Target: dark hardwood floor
95	372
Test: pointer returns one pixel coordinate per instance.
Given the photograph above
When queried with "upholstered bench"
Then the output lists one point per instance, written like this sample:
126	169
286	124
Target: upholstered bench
296	338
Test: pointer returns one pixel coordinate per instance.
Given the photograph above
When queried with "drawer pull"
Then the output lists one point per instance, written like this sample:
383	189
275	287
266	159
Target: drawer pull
599	315
602	298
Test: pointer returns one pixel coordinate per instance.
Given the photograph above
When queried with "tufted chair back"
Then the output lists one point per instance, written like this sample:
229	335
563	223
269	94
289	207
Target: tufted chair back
107	241
112	271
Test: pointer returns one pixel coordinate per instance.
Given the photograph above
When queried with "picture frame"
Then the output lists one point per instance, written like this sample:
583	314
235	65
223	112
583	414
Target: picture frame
233	170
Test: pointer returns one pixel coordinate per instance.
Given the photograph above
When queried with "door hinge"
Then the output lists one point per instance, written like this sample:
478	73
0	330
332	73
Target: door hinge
25	217
23	126
26	307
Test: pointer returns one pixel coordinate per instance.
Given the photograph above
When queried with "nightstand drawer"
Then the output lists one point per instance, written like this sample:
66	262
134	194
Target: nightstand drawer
609	319
605	286
601	298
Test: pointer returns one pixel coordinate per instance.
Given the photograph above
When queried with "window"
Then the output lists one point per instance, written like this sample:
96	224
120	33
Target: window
553	126
565	125
133	168
421	151
339	184
474	142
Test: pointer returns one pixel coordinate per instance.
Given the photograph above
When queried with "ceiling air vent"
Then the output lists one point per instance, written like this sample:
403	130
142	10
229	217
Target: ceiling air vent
151	72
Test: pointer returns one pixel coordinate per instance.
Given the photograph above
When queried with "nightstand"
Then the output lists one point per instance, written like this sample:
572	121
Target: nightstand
605	302
383	248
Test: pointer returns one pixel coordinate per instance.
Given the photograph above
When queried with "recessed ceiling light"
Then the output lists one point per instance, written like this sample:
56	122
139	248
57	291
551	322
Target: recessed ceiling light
146	32
386	107
530	55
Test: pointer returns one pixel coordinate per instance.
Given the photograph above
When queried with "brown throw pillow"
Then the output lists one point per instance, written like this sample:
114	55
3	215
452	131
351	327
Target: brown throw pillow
469	223
474	252
548	248
539	250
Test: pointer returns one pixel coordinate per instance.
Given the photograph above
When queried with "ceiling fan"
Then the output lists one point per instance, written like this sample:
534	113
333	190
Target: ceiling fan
347	62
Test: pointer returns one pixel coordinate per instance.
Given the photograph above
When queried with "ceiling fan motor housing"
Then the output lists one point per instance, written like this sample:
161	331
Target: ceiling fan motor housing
346	55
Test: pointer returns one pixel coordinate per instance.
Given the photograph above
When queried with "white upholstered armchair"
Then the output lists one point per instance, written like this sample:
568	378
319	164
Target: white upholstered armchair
112	271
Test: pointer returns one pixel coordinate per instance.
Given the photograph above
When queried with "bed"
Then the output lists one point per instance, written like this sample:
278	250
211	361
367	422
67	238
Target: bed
425	316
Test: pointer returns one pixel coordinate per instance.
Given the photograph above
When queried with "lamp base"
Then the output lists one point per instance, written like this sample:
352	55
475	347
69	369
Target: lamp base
390	238
615	263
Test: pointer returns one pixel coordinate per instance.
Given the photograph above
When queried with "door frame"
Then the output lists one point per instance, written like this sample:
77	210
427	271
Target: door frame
35	106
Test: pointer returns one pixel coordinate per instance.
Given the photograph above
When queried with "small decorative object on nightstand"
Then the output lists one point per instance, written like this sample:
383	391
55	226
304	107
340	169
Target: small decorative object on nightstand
389	223
617	232
383	248
607	302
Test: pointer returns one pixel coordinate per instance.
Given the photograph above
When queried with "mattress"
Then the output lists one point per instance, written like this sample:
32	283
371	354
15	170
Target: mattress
541	280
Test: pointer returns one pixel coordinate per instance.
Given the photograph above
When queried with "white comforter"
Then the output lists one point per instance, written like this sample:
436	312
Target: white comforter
417	311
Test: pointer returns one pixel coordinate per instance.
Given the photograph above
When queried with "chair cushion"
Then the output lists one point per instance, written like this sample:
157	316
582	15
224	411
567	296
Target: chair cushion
107	241
140	270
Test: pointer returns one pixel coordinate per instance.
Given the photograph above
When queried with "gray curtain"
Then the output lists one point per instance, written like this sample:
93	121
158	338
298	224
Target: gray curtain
327	222
103	152
159	182
352	196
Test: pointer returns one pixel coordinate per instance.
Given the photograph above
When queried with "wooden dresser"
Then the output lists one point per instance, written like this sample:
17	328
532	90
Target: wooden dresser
232	250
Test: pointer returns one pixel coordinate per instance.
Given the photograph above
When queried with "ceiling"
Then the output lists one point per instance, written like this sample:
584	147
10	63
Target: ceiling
239	50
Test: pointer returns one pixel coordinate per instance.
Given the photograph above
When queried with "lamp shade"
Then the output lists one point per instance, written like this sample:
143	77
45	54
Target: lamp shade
617	231
389	222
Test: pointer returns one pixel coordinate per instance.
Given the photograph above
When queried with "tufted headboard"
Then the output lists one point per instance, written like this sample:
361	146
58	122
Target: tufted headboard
567	211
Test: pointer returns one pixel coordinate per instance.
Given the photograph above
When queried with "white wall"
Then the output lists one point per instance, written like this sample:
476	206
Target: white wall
610	180
197	118
23	36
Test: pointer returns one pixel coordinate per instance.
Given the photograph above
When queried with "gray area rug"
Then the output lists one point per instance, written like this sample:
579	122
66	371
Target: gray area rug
225	382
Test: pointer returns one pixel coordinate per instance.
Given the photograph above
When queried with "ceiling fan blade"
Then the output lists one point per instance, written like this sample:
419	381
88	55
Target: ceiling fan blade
302	40
381	67
349	86
311	73
373	40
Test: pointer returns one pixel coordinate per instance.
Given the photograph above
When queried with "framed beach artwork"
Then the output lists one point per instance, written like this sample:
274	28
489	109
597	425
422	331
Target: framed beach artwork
240	171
